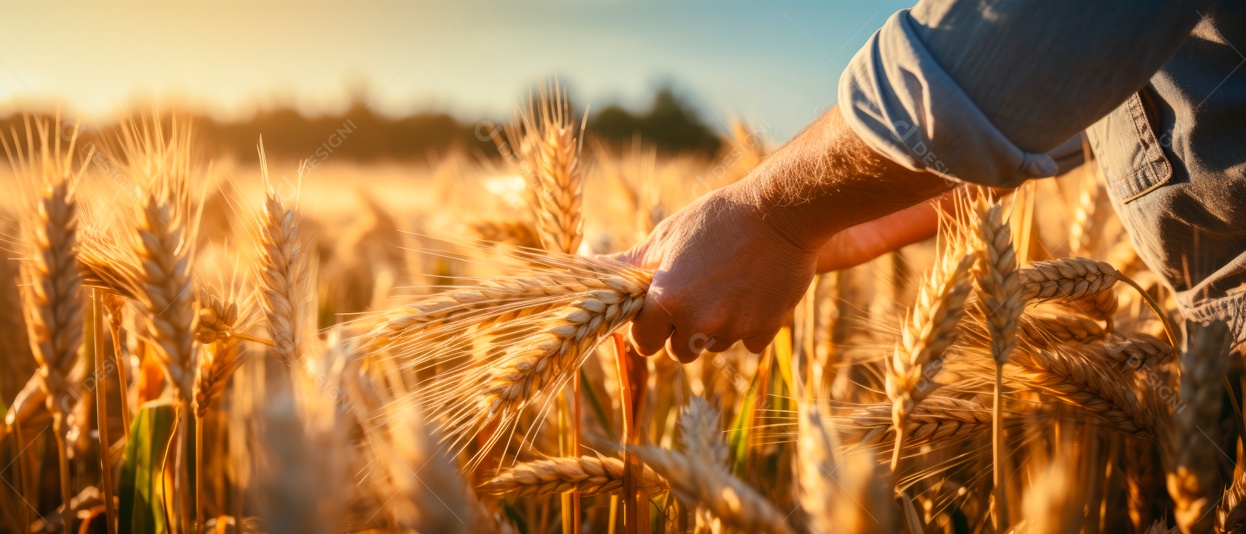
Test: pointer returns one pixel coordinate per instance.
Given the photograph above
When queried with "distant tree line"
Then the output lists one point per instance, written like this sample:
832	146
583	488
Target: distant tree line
362	135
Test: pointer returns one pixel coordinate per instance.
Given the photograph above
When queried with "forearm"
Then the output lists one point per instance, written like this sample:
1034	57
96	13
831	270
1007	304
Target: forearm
826	180
867	241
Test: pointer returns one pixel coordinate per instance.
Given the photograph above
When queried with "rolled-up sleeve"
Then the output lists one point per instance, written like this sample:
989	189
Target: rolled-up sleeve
982	91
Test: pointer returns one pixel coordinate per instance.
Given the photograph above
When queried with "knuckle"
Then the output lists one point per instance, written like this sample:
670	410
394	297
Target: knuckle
662	303
712	324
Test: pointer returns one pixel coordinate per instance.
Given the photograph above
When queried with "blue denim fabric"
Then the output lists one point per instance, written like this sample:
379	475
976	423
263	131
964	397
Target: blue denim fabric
985	92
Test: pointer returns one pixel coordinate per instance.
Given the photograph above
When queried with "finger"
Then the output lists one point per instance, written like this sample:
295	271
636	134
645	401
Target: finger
717	345
685	345
757	344
651	328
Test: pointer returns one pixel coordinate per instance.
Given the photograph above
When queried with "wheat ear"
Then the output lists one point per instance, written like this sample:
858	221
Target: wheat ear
580	327
935	420
1081	233
219	319
1193	474
1083	382
928	331
493	302
999	283
696	482
52	287
839	494
700	431
1131	353
550	152
1066	278
536	338
1048	330
282	273
585	475
1230	514
151	264
1142	479
1099	306
544	148
157	265
513	232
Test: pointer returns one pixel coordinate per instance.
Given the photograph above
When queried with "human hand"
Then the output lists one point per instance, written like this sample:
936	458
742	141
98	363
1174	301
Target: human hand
724	273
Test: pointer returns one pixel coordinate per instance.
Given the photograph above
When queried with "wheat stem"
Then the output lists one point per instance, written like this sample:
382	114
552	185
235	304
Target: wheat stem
101	393
199	472
59	429
115	305
999	458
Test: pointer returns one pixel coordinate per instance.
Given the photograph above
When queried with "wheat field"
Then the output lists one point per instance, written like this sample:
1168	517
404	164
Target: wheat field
193	344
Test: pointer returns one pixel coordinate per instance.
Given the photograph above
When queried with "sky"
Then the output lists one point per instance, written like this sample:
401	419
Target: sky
774	64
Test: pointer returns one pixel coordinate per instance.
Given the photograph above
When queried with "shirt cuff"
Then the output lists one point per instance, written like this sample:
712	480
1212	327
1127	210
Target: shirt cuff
905	106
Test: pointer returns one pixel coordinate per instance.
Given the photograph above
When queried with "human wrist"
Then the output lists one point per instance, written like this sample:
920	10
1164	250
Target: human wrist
805	224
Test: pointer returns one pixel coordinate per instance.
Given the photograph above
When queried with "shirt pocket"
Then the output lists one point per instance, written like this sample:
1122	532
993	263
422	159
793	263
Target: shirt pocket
1128	150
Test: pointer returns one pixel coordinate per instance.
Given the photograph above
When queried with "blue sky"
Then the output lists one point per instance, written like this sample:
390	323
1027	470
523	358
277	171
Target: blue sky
769	62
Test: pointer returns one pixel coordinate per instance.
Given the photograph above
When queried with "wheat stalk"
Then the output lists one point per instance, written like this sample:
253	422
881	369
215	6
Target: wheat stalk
282	273
929	329
839	494
219	322
1142	478
1193	474
701	434
115	306
51	286
1081	233
585	475
999	283
542	146
152	263
696	482
539	329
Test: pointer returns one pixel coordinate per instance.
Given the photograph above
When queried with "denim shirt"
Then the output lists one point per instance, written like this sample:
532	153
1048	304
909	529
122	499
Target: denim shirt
987	91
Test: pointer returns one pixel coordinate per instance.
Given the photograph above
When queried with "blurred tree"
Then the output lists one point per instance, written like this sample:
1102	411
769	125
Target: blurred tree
362	135
669	123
